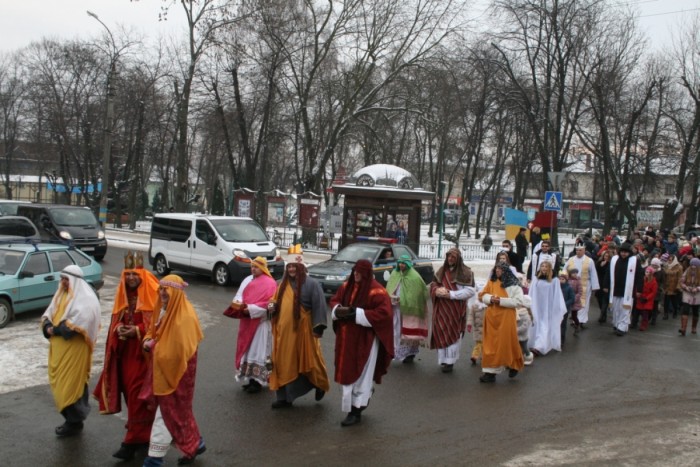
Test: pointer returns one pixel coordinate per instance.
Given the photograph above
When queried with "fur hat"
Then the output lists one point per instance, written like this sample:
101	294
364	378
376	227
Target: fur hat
625	247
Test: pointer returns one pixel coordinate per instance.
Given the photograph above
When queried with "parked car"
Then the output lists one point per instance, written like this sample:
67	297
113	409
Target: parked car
29	275
18	228
332	273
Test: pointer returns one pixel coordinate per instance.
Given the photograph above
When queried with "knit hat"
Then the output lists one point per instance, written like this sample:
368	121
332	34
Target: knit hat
650	270
655	263
665	258
695	262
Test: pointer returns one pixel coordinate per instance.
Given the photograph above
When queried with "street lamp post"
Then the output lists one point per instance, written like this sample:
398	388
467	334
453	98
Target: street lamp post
107	150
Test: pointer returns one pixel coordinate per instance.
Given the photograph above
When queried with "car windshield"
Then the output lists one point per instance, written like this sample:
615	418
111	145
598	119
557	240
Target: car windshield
236	230
357	251
10	262
74	217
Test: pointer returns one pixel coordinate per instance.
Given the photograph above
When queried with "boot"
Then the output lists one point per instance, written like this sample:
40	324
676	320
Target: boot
354	417
694	328
684	324
645	321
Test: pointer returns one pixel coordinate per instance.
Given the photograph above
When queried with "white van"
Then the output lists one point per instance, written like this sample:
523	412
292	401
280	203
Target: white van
219	246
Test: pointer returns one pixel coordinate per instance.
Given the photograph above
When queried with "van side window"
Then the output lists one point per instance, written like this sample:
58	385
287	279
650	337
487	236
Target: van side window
37	263
174	230
204	232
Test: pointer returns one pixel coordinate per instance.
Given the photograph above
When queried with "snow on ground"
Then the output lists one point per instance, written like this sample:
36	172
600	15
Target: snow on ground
24	351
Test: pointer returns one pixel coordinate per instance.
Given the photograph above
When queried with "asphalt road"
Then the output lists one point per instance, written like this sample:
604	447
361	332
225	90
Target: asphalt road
605	400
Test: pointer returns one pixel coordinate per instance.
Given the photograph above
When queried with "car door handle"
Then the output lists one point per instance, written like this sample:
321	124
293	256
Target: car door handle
49	278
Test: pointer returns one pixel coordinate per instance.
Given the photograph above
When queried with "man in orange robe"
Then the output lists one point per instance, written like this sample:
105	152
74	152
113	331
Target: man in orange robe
299	319
125	366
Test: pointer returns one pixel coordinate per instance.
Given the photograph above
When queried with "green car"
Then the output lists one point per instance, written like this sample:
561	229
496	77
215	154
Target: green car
29	275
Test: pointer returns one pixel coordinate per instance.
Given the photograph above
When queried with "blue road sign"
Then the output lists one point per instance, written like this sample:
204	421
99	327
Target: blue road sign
552	201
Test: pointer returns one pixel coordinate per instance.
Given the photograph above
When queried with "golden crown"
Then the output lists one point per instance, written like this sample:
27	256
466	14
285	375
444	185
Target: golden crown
133	260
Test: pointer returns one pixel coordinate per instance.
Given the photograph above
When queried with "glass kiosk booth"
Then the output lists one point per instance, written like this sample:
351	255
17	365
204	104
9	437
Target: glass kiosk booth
382	202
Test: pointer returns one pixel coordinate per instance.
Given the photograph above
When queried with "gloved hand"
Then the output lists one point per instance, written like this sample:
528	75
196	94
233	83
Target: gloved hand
345	312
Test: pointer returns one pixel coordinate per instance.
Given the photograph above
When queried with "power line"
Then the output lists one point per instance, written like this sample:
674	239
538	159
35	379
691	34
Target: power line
669	13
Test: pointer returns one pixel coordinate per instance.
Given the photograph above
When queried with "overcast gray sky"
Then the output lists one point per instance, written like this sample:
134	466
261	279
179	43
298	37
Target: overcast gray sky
24	21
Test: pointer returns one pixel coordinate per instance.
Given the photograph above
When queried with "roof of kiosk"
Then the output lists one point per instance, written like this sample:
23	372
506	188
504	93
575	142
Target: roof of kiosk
385	179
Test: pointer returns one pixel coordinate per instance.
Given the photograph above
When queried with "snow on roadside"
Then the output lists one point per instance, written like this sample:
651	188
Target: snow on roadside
24	351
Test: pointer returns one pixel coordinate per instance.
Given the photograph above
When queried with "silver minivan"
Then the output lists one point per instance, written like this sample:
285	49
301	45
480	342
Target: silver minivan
219	246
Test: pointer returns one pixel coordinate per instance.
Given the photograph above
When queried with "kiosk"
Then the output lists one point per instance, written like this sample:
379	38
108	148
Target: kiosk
382	201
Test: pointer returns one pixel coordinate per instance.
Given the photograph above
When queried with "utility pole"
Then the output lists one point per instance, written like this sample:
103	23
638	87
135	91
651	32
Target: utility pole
109	116
107	150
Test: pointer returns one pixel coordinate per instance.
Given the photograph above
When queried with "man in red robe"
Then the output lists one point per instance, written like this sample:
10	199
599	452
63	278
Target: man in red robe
125	367
364	345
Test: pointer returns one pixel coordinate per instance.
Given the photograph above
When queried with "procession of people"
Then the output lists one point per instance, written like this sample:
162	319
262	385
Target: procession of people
154	333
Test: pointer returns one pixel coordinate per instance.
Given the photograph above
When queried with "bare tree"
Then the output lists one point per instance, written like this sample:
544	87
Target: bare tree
12	107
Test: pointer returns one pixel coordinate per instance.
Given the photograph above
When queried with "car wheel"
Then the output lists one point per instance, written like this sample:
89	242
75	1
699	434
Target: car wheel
99	257
161	266
221	274
5	312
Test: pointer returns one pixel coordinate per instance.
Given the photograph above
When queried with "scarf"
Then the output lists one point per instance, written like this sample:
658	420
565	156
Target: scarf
82	308
413	293
177	334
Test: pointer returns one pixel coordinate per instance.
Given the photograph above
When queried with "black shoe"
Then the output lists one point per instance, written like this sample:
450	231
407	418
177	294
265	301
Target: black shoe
487	378
189	460
619	333
254	387
447	368
512	373
281	405
353	418
582	326
126	452
473	361
320	393
409	359
69	429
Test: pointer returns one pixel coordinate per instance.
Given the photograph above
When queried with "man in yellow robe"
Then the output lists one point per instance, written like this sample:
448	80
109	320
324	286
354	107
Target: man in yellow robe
71	323
299	319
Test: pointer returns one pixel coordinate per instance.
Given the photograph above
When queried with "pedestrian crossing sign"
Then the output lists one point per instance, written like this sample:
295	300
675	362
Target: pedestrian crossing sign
552	201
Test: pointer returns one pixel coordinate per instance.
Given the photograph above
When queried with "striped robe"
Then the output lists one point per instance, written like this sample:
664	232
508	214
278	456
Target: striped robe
449	314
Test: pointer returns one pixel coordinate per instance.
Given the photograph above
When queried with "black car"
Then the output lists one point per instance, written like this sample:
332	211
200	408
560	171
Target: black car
332	273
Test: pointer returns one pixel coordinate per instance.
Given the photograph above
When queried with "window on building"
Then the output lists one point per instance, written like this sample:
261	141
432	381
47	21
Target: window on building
669	189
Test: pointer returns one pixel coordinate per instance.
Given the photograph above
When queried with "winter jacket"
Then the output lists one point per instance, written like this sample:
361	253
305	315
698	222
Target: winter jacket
674	271
475	319
569	295
690	288
646	299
